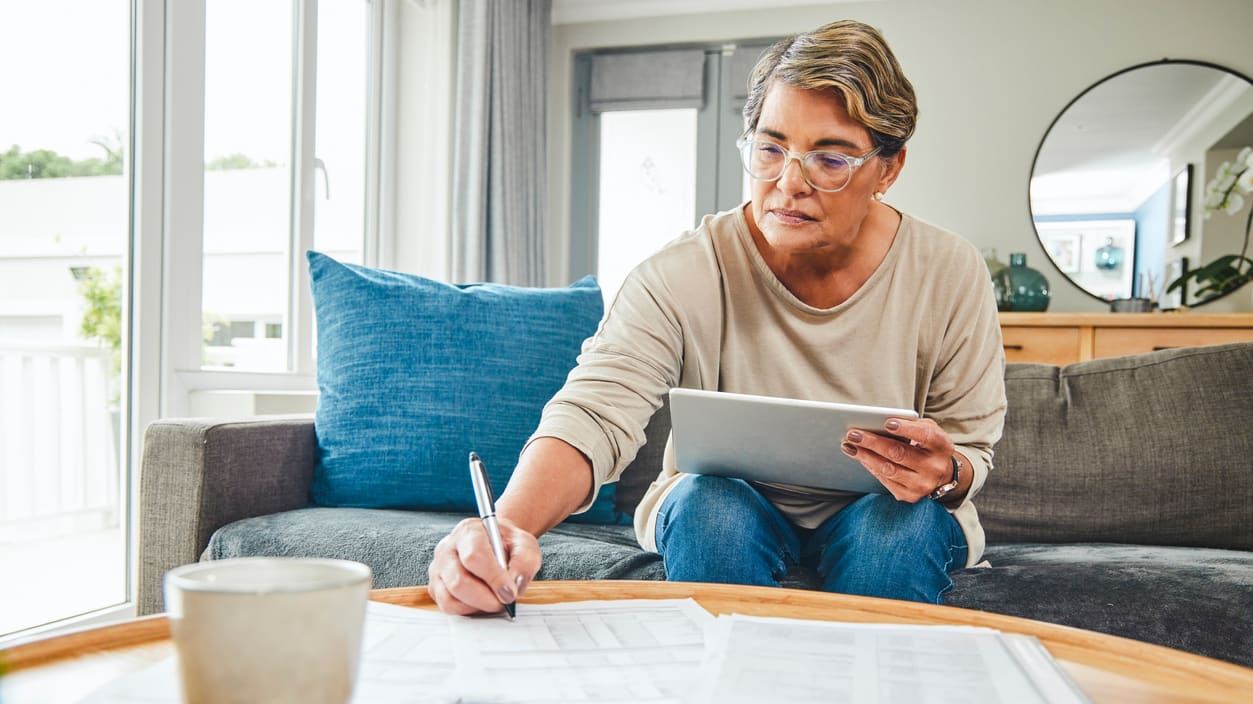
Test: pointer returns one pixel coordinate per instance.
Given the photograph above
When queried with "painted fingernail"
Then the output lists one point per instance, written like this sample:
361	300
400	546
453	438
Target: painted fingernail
506	594
892	424
854	435
522	584
849	450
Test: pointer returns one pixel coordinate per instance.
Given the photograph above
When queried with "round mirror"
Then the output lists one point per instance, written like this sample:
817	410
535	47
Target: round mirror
1127	185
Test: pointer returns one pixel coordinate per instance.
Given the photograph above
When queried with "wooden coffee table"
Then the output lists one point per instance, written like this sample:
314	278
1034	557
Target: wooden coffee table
1109	669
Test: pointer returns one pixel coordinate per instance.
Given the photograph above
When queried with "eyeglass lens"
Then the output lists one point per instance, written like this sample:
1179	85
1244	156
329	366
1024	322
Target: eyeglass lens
765	161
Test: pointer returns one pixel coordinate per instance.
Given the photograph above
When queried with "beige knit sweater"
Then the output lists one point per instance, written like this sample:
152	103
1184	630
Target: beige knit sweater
706	312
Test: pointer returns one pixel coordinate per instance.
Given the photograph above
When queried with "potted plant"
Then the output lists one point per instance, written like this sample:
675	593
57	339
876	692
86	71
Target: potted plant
1225	193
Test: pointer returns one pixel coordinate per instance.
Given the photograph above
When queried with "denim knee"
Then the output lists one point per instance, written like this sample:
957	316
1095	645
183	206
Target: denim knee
717	529
880	518
879	546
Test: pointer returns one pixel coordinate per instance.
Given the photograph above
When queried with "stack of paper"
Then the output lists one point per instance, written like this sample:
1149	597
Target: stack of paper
752	659
668	651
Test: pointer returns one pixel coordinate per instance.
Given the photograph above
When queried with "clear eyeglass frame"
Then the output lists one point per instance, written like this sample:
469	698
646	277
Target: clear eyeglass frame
854	162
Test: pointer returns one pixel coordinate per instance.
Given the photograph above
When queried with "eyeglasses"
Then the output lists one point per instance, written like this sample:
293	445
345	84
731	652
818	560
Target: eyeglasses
826	171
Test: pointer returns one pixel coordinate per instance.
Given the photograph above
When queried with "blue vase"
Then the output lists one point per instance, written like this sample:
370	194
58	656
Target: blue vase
1023	288
1109	257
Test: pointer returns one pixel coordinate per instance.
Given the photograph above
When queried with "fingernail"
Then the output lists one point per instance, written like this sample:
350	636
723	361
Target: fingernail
522	585
854	435
506	594
892	424
849	449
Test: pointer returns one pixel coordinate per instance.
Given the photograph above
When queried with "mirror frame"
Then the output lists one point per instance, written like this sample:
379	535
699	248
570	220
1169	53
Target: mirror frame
1053	123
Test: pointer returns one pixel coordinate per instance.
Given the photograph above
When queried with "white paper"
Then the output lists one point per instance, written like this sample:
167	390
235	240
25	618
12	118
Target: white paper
593	651
406	658
755	659
666	651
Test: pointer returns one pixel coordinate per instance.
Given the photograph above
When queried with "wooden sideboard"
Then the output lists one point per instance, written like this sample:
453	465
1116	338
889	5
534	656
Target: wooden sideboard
1062	338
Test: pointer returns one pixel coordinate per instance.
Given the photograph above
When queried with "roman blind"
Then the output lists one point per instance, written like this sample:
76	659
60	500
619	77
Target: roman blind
671	78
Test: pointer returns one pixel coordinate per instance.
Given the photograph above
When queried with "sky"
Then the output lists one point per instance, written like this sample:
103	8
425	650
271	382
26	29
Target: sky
65	73
64	68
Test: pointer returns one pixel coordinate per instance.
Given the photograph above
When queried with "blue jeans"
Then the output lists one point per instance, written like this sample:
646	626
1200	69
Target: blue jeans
715	529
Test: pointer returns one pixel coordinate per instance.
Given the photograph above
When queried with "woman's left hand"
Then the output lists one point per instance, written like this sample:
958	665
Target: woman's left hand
912	464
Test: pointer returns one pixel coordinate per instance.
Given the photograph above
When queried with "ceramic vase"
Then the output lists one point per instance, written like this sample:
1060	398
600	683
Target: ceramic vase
1024	288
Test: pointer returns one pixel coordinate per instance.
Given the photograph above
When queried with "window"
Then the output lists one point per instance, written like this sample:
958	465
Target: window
647	187
257	117
64	253
203	145
654	150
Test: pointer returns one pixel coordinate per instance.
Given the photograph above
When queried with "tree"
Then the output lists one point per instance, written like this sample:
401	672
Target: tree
44	163
102	314
236	161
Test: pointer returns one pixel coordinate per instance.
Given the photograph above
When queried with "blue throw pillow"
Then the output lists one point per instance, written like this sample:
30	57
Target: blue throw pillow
413	374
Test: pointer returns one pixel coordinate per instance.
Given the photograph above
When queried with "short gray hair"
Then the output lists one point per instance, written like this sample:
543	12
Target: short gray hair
852	59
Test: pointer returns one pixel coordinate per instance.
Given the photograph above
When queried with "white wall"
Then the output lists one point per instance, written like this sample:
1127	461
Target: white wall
991	75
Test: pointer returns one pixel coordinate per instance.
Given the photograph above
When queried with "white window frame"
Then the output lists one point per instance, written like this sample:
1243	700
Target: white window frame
162	298
184	199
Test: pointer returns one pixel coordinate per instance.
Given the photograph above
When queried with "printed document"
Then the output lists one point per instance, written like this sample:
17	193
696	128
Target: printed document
756	659
669	650
592	651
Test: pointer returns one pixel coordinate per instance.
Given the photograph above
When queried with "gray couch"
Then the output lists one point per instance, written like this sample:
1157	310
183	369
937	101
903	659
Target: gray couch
1121	502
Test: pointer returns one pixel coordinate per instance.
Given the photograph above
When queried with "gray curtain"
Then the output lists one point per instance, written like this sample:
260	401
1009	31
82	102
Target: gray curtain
499	171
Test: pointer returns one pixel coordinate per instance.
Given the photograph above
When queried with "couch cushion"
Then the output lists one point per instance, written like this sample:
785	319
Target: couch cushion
1193	599
413	374
398	545
1149	449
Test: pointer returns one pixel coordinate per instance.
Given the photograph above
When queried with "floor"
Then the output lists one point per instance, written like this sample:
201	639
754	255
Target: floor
50	579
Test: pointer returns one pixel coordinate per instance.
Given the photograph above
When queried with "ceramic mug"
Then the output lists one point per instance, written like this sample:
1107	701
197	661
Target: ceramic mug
268	629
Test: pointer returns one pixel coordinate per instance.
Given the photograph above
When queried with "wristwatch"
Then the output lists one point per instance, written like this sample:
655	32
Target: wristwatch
946	488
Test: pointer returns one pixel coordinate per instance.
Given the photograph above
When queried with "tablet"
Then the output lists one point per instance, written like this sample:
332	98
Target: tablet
769	439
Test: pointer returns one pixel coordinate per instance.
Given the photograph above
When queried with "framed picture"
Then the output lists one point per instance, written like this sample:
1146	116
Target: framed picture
1178	297
1064	249
1098	256
1180	225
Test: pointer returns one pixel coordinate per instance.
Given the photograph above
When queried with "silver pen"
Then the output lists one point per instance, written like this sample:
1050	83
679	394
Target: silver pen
487	512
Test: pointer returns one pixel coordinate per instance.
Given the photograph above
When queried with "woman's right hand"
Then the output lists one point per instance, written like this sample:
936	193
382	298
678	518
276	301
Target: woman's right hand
464	577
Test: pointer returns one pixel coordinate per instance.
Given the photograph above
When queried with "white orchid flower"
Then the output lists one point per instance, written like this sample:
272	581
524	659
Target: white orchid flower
1234	204
1245	182
1228	181
1245	157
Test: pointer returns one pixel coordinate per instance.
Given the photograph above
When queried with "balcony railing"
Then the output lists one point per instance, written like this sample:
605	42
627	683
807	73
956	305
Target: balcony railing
59	434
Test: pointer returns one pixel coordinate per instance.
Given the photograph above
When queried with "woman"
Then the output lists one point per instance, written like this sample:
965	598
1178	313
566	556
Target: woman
814	289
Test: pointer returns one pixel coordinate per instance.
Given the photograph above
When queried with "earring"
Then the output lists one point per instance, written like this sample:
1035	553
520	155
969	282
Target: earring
878	196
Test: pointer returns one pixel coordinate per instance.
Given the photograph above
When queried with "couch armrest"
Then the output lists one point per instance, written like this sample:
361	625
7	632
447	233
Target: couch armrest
199	474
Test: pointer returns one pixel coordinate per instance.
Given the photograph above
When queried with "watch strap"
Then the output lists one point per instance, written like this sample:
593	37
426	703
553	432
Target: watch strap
946	488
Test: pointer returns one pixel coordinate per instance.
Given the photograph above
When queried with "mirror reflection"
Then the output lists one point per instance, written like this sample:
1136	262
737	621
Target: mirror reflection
1118	188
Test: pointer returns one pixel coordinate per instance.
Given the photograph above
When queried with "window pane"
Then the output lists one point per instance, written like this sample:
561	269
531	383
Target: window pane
339	205
64	240
647	187
247	199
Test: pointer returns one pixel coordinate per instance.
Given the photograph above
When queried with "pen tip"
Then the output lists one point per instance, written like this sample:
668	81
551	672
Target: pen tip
474	456
512	610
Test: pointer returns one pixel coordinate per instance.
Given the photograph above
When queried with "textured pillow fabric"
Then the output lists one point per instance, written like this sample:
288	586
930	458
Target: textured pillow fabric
1151	449
413	374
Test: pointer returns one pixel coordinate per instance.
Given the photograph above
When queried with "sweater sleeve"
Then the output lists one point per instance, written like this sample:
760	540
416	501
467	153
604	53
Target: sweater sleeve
966	396
631	362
